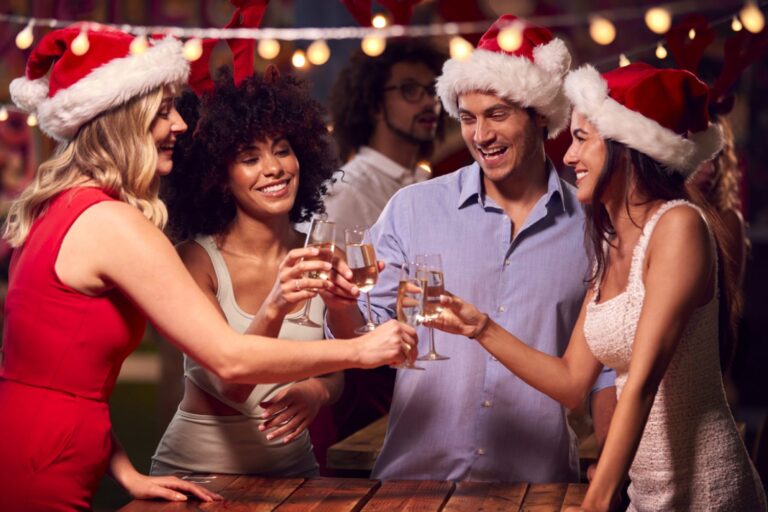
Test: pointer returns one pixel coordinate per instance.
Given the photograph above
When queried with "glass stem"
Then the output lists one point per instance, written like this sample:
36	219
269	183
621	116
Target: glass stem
432	341
305	314
368	303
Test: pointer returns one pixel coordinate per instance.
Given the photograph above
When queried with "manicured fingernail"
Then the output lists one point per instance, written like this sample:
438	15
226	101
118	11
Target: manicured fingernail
181	497
315	251
269	437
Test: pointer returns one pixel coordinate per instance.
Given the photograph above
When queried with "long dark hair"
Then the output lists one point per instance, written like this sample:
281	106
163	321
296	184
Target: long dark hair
655	181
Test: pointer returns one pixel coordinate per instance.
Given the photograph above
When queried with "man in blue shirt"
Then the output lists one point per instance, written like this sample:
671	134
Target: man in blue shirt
511	236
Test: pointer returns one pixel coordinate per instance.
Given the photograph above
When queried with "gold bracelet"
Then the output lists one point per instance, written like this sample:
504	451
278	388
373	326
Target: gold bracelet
482	328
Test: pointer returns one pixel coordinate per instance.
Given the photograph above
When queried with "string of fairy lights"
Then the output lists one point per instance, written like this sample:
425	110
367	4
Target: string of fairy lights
373	39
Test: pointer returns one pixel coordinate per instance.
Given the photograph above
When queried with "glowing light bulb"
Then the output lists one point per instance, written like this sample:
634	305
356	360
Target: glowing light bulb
373	45
379	21
736	25
139	45
31	120
79	46
623	61
25	38
661	52
424	166
510	38
318	52
299	60
752	18
329	127
602	31
3	114
268	49
692	34
193	49
658	20
460	48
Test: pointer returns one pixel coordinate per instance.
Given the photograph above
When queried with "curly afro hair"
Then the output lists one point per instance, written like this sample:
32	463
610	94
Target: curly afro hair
228	119
358	93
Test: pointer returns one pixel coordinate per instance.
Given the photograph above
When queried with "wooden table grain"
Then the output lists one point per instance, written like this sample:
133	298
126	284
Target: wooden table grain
257	494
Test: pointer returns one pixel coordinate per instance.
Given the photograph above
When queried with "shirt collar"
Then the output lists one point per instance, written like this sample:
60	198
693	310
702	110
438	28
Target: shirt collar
471	187
383	163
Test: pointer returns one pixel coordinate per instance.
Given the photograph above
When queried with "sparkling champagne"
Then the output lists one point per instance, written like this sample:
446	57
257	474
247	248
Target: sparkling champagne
433	288
361	258
409	302
326	254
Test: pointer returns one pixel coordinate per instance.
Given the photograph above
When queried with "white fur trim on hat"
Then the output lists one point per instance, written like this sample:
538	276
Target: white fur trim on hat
517	79
106	87
28	94
588	92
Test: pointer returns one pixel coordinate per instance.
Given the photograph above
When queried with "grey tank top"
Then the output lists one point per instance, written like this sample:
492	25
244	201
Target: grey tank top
239	320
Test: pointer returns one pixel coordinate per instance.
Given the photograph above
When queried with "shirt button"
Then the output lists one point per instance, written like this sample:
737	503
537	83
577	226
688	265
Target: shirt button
501	309
493	359
481	451
507	263
487	403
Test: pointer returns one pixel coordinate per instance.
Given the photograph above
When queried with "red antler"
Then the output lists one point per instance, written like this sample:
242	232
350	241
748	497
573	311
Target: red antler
248	14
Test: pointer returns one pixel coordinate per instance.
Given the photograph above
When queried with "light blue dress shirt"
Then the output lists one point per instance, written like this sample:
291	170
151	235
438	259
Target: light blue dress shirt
470	417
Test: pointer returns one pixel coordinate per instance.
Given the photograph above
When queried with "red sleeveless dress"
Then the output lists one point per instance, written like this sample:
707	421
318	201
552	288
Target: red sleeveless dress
62	353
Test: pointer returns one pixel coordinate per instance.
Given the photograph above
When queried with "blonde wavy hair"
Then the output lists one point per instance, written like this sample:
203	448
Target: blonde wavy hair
115	151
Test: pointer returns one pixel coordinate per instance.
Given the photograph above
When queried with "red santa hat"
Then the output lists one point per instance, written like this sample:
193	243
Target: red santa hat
66	90
659	112
530	76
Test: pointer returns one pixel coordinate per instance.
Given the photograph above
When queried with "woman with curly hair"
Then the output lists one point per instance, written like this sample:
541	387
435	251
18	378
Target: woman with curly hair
258	162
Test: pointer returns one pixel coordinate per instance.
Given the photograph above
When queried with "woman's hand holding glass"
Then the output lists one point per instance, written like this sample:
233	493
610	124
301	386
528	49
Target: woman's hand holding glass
342	293
292	285
391	343
458	317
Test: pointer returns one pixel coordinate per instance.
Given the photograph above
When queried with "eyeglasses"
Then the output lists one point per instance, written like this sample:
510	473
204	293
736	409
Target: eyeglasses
413	92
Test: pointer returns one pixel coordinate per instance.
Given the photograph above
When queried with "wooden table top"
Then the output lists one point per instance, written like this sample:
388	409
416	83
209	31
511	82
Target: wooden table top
258	494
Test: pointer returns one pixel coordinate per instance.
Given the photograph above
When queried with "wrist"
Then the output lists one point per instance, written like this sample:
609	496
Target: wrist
127	478
319	389
481	327
353	356
274	313
596	500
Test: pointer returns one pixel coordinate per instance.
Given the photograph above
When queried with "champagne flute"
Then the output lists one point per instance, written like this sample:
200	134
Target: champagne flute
410	303
361	258
429	270
321	235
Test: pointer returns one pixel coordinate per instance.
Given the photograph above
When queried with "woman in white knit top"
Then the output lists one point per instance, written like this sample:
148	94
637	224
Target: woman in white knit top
653	312
258	163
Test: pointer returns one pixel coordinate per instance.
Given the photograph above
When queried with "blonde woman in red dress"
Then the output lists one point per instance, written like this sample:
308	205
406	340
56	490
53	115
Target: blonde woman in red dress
91	266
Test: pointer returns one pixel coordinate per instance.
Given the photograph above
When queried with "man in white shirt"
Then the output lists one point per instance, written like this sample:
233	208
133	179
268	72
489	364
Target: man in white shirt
386	117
